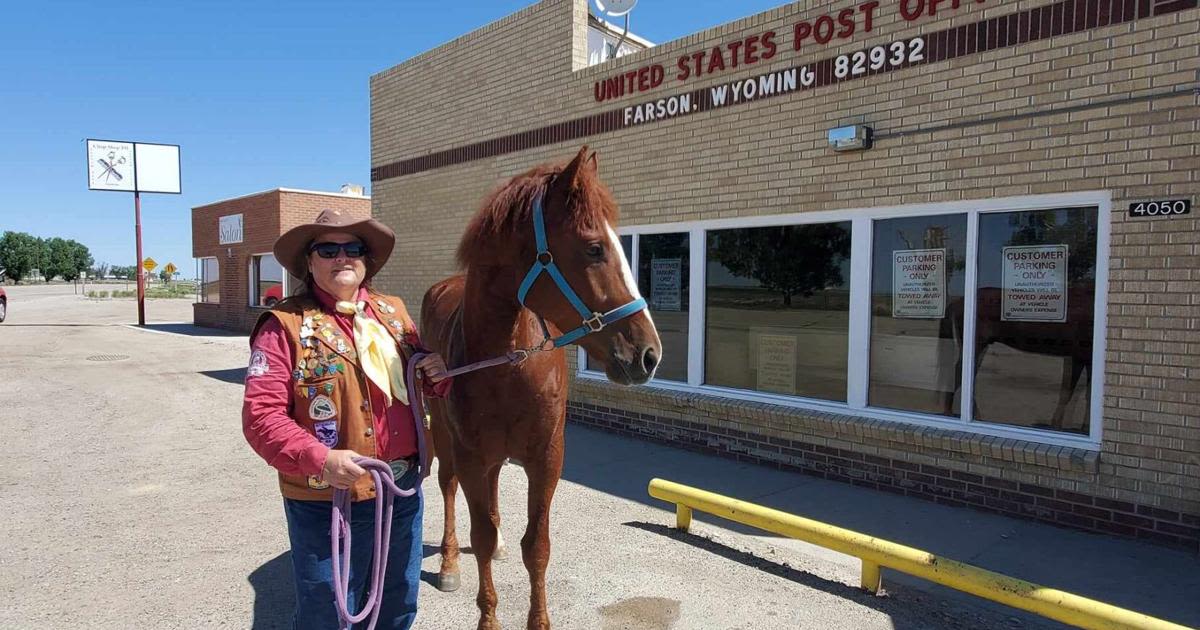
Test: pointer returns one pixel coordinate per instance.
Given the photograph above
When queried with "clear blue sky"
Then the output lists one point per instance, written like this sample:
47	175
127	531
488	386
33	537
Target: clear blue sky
258	94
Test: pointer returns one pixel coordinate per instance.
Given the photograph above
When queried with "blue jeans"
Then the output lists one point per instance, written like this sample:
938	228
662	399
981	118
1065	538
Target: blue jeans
308	529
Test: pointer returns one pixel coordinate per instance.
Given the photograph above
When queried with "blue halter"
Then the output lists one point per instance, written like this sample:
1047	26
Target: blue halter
592	321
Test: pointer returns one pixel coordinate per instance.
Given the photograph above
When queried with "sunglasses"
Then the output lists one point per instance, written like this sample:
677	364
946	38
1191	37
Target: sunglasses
330	250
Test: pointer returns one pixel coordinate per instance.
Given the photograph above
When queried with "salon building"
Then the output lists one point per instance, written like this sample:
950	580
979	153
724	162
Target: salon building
937	248
239	277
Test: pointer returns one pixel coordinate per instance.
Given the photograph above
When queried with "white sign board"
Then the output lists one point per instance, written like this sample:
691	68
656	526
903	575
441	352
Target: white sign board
777	363
665	283
110	165
1034	283
919	283
230	229
157	168
133	167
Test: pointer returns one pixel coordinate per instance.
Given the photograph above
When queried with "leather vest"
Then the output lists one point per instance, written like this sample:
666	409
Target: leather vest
330	393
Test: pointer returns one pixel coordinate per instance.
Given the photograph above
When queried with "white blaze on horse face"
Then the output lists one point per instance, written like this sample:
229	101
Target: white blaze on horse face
615	243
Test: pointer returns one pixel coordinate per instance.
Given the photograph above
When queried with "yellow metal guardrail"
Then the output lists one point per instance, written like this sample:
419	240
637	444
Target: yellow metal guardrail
876	553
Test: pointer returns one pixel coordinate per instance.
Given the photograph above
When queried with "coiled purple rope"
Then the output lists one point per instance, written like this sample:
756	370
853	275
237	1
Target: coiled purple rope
385	496
386	492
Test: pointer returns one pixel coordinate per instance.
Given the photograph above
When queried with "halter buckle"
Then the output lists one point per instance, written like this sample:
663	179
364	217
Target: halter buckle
545	258
595	323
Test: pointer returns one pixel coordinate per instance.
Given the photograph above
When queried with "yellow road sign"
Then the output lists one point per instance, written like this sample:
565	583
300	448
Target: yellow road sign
170	268
149	264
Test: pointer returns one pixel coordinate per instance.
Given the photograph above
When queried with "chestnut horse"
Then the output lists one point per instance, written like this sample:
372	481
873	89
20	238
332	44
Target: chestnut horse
496	307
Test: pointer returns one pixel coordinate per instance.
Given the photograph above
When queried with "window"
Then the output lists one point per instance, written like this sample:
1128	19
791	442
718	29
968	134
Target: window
1034	319
627	249
979	316
266	281
210	281
663	279
777	309
917	288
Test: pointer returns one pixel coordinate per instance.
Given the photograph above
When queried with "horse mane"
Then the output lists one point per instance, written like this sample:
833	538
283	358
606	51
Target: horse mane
508	210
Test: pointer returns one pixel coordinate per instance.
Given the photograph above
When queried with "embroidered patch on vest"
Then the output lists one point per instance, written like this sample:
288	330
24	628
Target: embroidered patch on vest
327	432
259	365
322	408
316	483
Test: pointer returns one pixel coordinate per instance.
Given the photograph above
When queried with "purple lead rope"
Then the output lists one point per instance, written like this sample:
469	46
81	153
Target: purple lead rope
386	492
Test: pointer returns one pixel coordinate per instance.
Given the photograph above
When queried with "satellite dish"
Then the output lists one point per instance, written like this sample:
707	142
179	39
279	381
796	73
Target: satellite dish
615	8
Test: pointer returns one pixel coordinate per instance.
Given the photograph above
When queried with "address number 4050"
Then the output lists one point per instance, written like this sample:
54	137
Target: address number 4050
893	54
1160	208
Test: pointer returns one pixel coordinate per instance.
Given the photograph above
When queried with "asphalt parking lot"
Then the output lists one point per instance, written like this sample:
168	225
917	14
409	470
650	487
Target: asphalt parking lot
132	500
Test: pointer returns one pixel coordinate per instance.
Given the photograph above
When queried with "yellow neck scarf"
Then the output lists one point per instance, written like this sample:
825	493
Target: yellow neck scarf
377	353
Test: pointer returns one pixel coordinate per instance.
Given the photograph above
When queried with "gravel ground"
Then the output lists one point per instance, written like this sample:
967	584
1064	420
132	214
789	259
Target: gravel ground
133	501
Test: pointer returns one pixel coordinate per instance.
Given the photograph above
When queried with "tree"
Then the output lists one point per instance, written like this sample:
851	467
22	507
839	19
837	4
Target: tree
59	261
99	271
126	272
81	259
43	258
19	254
791	260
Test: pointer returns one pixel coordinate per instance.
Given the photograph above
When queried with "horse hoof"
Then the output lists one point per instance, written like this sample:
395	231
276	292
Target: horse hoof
448	582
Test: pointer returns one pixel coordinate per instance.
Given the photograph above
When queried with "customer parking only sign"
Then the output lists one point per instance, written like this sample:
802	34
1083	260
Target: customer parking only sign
1035	283
919	281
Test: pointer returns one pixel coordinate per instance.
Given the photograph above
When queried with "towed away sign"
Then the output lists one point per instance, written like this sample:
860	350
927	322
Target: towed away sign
1035	283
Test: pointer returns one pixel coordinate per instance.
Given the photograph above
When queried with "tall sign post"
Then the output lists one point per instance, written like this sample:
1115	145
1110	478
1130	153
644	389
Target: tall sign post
135	167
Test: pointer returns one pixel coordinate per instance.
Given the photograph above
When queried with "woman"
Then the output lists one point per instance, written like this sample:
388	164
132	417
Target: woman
326	384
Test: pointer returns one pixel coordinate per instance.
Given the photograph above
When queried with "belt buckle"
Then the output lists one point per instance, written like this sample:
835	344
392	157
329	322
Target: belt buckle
399	467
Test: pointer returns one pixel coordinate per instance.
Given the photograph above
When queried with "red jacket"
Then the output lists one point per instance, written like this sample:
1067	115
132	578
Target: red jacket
277	438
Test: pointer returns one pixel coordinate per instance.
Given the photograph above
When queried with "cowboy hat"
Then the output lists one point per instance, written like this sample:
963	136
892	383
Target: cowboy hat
291	249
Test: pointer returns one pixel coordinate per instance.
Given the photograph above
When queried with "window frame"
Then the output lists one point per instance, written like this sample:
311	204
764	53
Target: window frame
694	377
862	234
200	294
252	276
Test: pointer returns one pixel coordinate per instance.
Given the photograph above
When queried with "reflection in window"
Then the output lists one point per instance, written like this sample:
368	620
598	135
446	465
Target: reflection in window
777	312
663	280
627	249
266	277
210	280
917	291
1034	322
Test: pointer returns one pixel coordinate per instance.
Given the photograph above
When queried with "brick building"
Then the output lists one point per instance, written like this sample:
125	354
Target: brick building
232	240
829	311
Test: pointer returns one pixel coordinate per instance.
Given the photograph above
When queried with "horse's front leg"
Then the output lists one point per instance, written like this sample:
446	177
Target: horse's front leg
448	576
494	479
543	476
475	480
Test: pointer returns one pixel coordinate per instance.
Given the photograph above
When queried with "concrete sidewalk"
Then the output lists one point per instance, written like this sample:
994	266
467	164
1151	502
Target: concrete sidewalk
1154	580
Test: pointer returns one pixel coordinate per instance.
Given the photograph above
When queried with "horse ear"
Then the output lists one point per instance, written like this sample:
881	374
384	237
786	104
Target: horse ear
572	172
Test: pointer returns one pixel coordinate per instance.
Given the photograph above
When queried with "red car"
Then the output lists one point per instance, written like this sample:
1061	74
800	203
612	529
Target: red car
3	304
270	297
